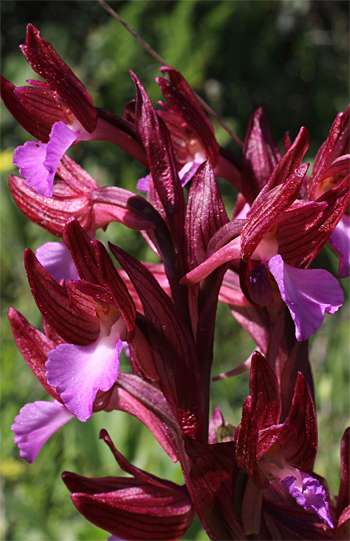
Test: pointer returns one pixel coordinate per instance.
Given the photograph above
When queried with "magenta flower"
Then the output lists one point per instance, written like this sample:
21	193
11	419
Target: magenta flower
76	194
285	234
268	450
89	361
58	112
253	481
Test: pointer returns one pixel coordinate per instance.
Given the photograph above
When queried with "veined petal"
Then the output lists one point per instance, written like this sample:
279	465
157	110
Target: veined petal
340	242
56	259
311	495
38	162
35	424
308	293
78	372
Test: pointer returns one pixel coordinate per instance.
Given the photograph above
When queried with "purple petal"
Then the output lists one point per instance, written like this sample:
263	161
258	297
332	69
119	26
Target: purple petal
56	259
308	293
38	162
188	170
142	184
35	424
311	495
78	372
340	242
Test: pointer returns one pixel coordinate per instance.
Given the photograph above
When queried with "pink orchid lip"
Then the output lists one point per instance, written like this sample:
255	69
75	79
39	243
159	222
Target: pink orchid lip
310	495
308	294
38	161
35	424
78	372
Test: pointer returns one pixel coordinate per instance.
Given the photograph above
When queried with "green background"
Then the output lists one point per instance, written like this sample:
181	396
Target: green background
291	57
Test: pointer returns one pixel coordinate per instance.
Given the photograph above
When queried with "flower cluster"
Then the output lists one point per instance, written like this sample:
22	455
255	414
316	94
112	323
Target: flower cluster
253	481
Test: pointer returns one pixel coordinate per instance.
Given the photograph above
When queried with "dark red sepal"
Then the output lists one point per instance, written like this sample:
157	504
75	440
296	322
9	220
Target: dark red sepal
146	402
34	346
268	207
51	213
142	507
95	266
206	214
260	152
343	500
79	483
139	512
336	144
41	102
37	126
300	524
75	177
116	286
54	303
157	142
184	103
213	474
264	390
289	162
258	429
246	439
83	251
337	200
298	436
44	60
299	230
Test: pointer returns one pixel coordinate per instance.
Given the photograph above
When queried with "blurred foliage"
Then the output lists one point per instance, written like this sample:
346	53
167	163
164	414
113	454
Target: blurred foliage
291	57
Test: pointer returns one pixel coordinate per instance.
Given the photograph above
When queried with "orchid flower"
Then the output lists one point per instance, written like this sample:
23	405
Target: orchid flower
191	133
253	481
59	112
89	360
268	450
274	233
